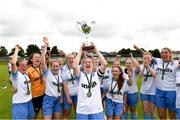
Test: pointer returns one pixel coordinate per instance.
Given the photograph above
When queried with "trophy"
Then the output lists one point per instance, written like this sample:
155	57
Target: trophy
86	27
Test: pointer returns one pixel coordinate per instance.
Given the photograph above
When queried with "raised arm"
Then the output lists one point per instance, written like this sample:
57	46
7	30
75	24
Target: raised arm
45	40
43	59
48	52
103	61
135	63
76	62
139	49
14	59
130	75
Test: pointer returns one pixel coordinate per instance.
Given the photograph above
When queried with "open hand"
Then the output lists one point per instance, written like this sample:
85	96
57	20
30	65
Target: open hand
45	40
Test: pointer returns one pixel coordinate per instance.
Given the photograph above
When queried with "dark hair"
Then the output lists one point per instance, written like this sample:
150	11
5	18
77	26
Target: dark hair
29	62
121	78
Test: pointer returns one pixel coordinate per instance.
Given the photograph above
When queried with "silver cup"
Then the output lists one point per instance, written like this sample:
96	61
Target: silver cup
86	27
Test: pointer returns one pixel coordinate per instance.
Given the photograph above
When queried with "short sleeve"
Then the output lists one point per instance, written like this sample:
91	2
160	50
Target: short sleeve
46	72
107	83
100	74
125	87
64	75
126	77
78	77
14	75
156	60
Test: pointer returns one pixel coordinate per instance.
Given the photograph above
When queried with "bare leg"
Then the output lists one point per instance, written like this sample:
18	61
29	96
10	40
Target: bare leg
109	117
66	113
56	115
172	114
162	113
152	110
49	117
116	117
74	106
133	112
146	108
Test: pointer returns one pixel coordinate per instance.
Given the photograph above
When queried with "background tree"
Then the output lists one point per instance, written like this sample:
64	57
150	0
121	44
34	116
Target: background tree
20	53
136	53
54	50
32	49
155	53
124	51
3	51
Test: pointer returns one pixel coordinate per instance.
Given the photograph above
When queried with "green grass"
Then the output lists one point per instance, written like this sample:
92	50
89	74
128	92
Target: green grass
6	95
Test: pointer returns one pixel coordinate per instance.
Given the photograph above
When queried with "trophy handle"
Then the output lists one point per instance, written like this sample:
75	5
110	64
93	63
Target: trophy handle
78	24
93	23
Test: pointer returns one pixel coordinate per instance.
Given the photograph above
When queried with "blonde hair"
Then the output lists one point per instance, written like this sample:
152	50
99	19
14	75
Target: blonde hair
70	55
170	52
147	53
56	60
87	58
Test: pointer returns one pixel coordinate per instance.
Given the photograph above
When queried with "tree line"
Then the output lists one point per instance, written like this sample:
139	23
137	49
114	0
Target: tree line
30	49
34	48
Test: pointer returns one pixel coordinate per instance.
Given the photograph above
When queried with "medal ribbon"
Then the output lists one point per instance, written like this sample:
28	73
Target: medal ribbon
89	82
164	70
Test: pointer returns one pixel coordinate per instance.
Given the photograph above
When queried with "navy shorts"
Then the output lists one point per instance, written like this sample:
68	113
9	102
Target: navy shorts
37	103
